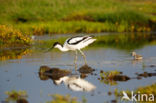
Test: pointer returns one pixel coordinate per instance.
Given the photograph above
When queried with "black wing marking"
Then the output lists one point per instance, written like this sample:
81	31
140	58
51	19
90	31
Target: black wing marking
76	40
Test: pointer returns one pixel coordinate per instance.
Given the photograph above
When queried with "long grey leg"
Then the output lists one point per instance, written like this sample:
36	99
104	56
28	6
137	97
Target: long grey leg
75	60
84	57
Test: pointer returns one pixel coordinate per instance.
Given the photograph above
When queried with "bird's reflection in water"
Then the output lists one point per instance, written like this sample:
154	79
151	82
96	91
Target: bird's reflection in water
134	62
73	82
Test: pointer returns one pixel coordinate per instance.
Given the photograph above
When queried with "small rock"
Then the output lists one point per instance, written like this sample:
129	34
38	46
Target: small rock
113	101
86	69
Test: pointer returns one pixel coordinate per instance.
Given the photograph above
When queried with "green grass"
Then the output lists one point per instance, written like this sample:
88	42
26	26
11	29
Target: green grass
145	6
75	16
70	27
49	10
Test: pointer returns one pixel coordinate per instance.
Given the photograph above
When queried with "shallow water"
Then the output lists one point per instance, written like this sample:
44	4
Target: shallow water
22	74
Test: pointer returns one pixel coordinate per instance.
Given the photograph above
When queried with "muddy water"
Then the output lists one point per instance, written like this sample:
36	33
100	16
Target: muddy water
22	73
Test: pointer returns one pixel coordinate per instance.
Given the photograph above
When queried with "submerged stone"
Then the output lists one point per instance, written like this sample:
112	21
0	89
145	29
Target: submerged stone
121	78
146	74
22	100
46	72
85	69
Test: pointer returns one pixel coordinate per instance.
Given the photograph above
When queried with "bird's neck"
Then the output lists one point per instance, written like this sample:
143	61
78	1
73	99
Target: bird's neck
62	48
65	78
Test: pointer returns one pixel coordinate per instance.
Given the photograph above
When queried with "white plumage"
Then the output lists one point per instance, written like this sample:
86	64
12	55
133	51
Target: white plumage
76	83
74	44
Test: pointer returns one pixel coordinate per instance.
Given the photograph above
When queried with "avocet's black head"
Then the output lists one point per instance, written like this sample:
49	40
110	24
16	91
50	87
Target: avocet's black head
56	44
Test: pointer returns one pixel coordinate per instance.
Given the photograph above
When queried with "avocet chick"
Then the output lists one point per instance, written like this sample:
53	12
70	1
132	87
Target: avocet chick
136	56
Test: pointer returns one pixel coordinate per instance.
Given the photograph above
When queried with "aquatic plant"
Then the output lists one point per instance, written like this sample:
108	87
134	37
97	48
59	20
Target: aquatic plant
57	98
16	95
111	77
109	74
149	89
107	77
10	37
